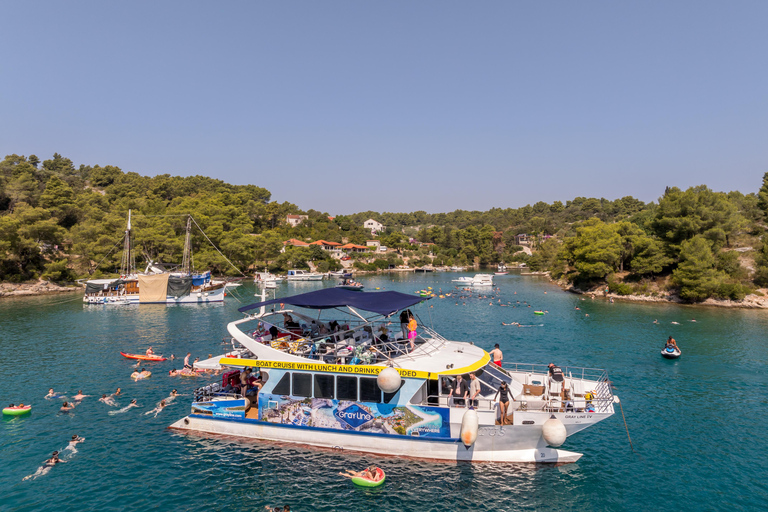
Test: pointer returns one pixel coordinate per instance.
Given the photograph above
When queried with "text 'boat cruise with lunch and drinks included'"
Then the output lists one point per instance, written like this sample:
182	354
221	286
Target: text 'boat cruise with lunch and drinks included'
353	382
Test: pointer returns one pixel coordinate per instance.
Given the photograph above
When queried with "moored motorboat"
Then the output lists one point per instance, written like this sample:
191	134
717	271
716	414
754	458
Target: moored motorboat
349	284
355	384
303	275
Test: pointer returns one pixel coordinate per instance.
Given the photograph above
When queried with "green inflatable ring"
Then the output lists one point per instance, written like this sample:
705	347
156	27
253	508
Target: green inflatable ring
16	411
364	482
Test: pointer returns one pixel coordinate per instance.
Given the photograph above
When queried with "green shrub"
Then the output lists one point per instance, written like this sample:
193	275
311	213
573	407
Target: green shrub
619	288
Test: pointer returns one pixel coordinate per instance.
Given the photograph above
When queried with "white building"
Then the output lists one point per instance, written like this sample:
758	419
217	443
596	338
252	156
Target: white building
295	220
374	226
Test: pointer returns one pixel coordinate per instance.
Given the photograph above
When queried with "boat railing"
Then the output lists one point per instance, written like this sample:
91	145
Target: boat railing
581	385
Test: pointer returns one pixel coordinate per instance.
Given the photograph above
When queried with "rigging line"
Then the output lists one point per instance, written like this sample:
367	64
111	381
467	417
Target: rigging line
214	246
110	252
65	301
625	427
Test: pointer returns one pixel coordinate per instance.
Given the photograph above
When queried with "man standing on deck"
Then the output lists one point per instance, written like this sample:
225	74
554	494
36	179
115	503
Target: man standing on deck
496	355
474	389
459	392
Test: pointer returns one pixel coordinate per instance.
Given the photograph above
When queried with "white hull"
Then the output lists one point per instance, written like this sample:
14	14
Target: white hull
494	443
193	298
318	277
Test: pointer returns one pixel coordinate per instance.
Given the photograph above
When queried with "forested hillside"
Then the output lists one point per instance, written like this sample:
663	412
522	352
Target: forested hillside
60	222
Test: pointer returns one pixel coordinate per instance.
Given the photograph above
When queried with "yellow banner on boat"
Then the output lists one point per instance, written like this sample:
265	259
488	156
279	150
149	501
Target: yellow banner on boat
349	368
321	367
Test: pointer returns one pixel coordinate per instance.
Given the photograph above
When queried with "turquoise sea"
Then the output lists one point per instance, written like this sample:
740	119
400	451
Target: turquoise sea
698	424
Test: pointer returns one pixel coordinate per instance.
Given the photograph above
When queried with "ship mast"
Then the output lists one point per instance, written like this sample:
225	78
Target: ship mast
128	263
186	262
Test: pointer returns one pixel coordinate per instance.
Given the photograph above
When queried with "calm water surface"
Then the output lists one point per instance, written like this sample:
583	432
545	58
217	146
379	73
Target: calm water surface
698	424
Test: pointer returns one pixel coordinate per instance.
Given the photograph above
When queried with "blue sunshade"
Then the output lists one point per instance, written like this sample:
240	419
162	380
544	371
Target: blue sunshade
383	303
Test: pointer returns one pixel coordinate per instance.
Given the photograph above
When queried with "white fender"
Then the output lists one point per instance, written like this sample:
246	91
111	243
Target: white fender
469	426
554	432
388	380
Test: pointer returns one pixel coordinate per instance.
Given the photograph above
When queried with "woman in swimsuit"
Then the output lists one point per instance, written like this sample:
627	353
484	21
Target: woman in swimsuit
503	393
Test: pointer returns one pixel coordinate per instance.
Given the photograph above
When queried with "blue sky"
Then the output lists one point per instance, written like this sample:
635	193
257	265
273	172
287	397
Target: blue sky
397	106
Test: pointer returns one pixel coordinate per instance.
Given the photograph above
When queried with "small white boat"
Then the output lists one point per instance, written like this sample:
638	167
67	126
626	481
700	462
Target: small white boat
466	281
303	275
482	280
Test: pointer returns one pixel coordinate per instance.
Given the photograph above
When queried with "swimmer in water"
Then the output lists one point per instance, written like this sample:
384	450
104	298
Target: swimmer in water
52	394
79	396
124	409
135	374
46	467
74	441
118	392
157	409
108	400
66	407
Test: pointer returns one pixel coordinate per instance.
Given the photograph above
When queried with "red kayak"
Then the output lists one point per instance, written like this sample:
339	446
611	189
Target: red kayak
143	357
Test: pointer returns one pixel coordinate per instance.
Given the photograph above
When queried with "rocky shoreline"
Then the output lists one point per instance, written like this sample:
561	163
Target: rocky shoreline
752	301
39	288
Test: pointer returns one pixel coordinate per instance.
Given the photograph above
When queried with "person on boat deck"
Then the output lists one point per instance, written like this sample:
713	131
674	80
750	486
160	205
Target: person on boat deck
273	332
504	394
186	360
556	373
460	391
383	333
496	354
150	352
671	343
405	316
474	389
412	325
334	325
288	321
244	381
323	330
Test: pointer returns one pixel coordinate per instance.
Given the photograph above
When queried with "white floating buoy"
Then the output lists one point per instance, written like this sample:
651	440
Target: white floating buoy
388	380
199	294
469	426
554	432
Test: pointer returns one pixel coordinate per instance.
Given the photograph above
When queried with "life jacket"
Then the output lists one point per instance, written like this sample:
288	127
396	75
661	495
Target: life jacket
412	324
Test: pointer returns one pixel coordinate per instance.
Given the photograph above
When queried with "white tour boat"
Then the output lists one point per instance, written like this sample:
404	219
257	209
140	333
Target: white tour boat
155	285
354	385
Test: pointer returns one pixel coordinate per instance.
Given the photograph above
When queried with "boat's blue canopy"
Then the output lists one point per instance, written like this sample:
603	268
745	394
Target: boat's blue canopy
383	303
